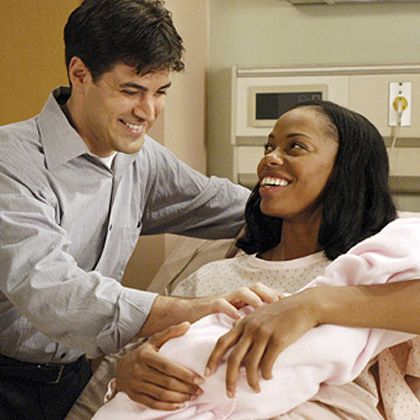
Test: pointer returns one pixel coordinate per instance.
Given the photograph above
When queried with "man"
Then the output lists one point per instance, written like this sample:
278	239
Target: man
79	183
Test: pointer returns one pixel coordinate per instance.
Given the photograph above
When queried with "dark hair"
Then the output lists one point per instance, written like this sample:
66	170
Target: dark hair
139	33
356	202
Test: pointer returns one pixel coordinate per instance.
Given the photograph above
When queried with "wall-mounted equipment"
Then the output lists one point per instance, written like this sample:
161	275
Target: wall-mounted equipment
388	95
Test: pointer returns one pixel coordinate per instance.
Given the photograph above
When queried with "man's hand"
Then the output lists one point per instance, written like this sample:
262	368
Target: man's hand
230	303
168	311
151	379
257	339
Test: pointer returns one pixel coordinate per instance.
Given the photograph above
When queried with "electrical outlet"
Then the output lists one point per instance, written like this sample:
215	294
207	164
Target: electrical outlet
399	92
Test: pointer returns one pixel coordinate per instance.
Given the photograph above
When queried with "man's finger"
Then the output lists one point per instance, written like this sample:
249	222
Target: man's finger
246	296
267	294
162	394
160	338
170	382
224	307
169	368
155	404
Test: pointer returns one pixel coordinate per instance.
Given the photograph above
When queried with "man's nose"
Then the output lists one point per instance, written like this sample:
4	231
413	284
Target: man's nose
145	108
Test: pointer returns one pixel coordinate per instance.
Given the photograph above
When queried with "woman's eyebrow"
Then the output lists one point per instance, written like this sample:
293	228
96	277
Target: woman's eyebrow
297	134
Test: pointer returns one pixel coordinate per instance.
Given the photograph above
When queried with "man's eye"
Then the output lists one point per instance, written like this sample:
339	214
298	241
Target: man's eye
129	92
161	92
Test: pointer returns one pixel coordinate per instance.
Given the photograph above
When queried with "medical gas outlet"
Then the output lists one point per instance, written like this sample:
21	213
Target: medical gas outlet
399	106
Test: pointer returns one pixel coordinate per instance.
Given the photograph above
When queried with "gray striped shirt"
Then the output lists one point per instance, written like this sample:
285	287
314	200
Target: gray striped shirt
68	225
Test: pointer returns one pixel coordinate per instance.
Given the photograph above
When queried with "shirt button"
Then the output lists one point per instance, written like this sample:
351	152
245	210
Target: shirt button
110	227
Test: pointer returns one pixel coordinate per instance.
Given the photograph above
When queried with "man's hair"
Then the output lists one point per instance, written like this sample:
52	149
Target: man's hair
138	33
356	201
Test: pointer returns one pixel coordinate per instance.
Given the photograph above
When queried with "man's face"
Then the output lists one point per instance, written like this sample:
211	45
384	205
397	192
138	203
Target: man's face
117	110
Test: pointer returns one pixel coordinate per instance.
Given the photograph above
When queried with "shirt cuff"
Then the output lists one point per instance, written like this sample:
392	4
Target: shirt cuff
132	309
111	390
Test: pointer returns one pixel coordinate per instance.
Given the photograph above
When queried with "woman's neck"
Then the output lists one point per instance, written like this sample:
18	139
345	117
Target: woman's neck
297	240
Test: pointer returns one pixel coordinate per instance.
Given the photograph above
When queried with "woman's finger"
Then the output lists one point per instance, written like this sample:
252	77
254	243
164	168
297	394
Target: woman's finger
275	346
252	363
234	363
224	343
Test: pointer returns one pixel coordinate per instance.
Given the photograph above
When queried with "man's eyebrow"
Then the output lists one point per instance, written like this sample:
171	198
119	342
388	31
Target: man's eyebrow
134	85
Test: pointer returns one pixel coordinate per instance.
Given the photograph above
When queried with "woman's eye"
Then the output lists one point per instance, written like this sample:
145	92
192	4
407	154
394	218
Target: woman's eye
297	146
268	148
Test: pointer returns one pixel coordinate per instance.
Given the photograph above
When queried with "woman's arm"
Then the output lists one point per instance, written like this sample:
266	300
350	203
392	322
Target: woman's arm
258	338
386	258
394	306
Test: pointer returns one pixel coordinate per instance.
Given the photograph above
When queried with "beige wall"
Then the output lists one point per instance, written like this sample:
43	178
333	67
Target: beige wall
274	32
32	54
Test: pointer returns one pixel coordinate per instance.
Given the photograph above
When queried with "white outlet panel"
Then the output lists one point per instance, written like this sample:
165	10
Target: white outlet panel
399	89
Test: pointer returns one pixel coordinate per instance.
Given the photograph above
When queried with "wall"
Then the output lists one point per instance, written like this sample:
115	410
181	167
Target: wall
32	54
274	32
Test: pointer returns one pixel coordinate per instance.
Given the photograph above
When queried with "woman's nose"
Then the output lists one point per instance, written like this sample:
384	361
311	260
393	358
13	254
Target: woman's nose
274	158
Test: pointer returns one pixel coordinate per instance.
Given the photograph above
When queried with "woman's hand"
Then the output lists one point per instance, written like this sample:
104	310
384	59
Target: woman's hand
151	379
257	339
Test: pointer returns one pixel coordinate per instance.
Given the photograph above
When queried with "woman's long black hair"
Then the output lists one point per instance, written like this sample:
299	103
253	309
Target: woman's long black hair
356	202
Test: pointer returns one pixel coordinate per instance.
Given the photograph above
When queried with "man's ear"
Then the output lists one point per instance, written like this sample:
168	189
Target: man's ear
79	74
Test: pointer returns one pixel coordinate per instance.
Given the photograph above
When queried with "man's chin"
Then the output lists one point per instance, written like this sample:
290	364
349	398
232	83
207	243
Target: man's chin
133	147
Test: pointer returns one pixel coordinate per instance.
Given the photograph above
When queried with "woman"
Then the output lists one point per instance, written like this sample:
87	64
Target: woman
322	190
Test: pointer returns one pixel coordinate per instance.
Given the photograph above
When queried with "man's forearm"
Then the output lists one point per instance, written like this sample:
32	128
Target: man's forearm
394	306
167	311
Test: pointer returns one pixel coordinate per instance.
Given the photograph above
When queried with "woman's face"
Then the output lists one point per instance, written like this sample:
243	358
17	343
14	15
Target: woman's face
299	158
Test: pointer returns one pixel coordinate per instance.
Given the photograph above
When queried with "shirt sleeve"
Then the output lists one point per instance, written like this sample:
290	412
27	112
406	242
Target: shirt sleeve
183	201
82	310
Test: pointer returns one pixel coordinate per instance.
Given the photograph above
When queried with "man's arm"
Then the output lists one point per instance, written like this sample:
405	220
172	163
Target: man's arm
183	201
40	278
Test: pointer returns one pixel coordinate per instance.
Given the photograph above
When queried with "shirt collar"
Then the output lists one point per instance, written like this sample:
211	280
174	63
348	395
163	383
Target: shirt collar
60	140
